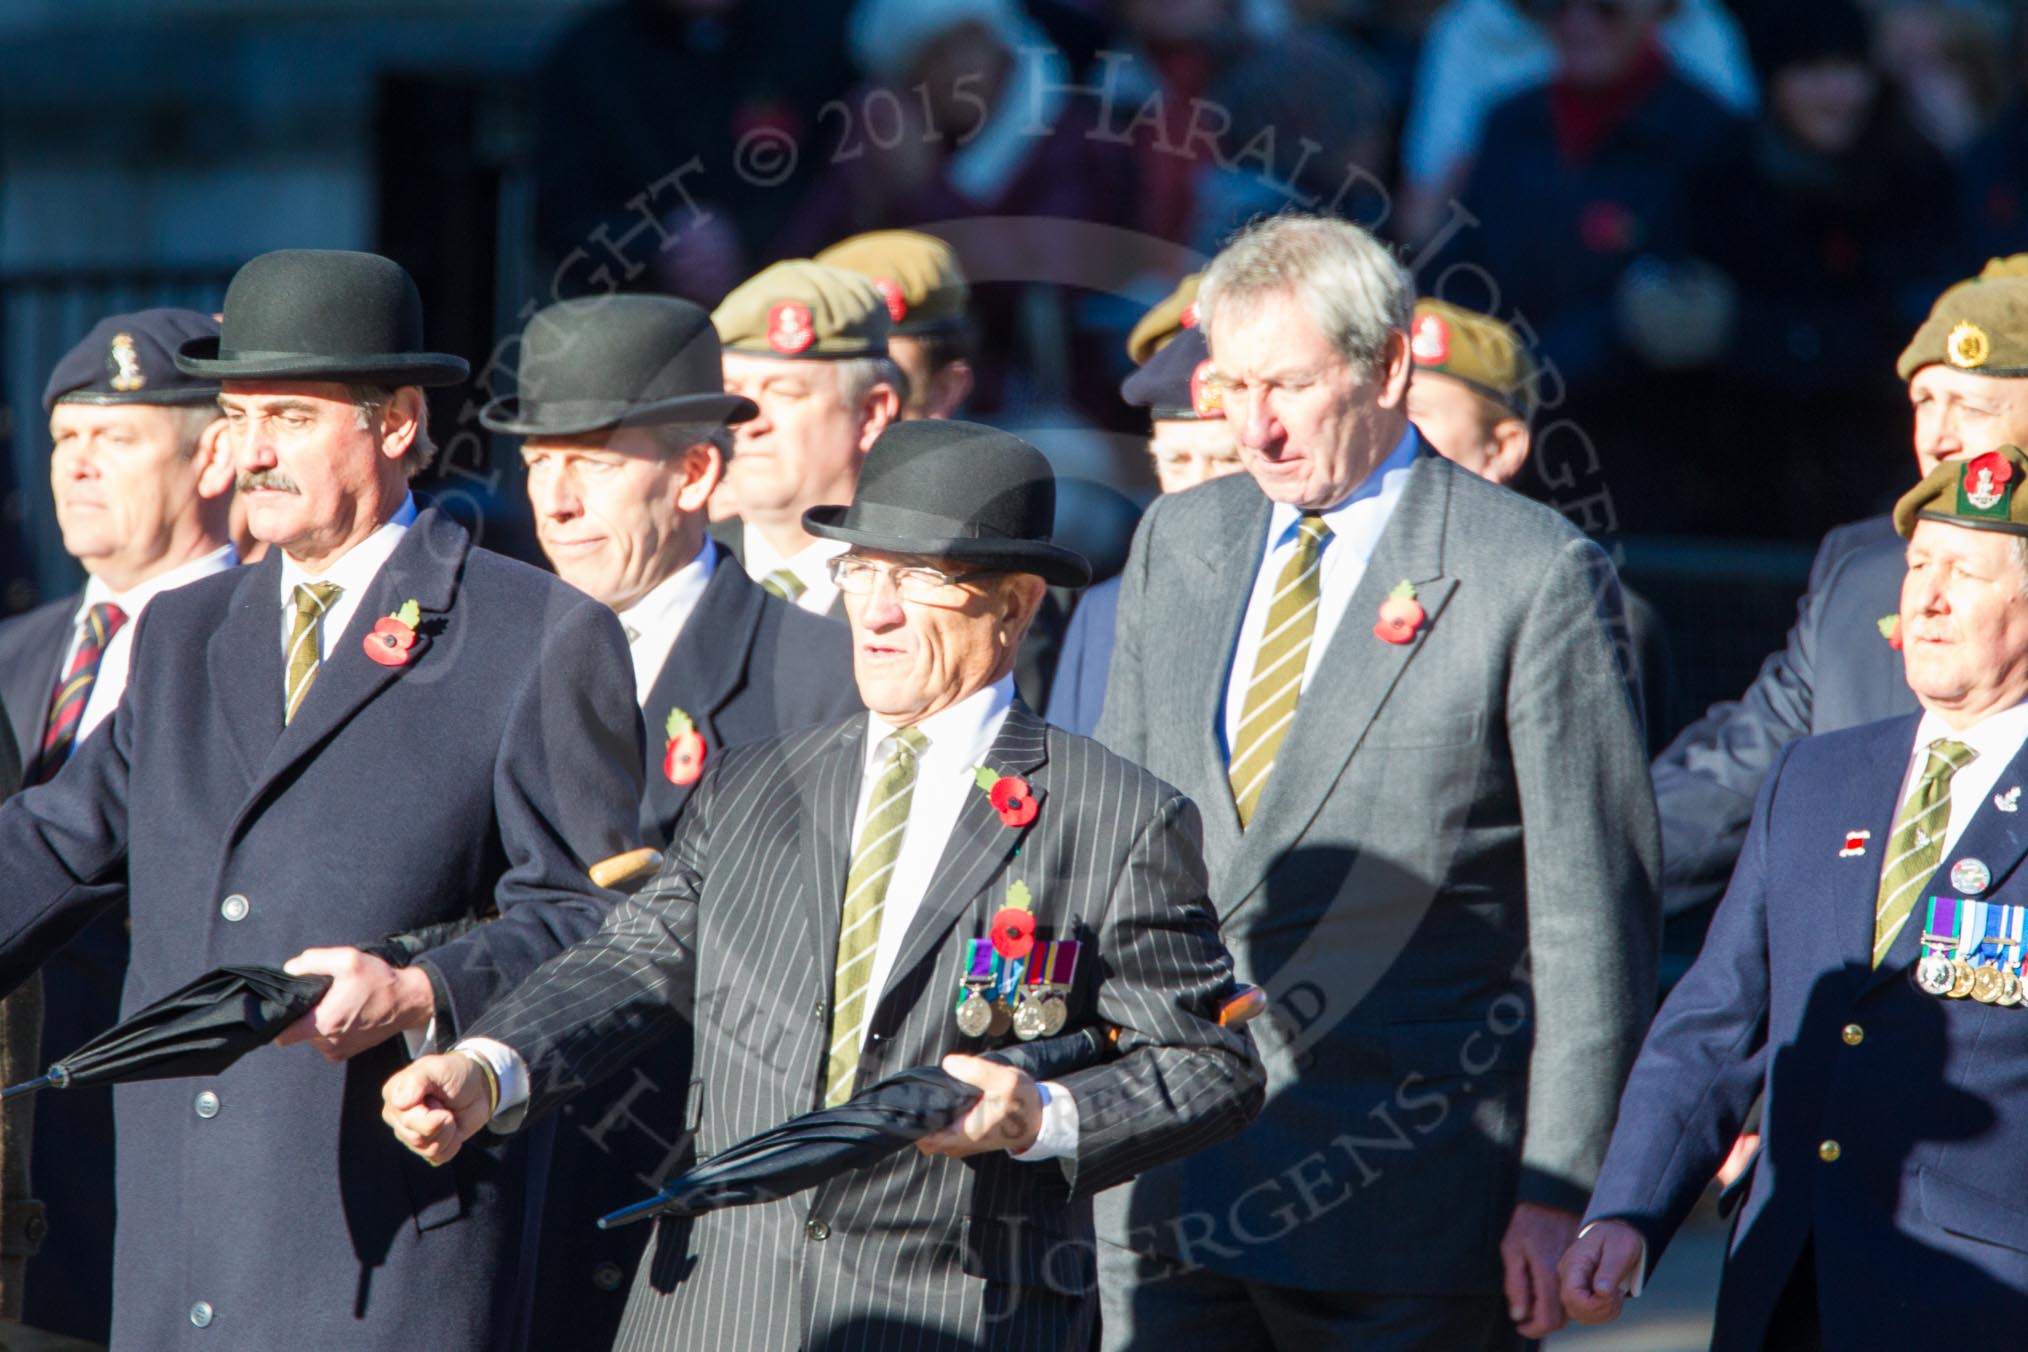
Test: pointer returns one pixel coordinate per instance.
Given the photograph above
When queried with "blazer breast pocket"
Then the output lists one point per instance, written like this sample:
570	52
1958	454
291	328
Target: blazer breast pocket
1017	1252
1424	732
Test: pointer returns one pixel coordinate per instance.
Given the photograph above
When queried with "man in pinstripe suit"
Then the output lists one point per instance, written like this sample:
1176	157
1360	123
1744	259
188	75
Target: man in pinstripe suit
812	924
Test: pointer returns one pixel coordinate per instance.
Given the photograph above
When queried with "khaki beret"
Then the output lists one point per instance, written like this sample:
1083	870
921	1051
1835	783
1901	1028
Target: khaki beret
1979	325
1174	313
1983	493
1477	350
798	308
917	275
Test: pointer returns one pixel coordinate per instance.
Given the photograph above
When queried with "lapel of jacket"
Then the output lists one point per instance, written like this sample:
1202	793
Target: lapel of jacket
705	667
1352	680
244	660
1994	838
31	682
980	843
830	793
425	566
1219	595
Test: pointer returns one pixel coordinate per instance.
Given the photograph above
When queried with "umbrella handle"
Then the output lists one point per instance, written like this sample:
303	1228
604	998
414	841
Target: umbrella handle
625	868
1247	1002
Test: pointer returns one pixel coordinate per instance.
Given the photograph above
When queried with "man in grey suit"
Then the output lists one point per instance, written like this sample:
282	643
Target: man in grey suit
1393	691
825	898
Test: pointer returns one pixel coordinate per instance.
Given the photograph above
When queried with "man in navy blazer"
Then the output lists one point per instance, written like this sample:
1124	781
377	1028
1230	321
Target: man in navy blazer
1864	973
1838	669
625	427
375	729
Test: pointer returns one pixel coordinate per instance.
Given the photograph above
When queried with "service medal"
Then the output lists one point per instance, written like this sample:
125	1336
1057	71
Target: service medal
1961	979
2010	988
975	1014
1933	974
1055	1013
1971	876
1029	1020
1987	985
1002	1020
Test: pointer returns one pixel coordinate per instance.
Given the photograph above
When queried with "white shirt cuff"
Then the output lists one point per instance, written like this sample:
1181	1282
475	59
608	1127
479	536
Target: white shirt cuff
1640	1278
1058	1137
420	1040
512	1073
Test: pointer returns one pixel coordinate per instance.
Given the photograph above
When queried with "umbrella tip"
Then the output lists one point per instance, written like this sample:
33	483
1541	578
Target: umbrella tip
30	1086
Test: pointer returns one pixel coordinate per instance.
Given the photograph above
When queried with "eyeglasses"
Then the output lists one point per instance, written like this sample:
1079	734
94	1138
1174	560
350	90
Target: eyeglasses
912	581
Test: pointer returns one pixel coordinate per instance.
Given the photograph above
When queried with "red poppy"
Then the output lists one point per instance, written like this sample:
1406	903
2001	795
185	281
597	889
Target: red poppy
1012	799
1400	617
683	761
1013	932
390	641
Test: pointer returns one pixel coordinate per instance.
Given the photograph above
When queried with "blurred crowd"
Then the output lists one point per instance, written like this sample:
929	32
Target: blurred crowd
1714	222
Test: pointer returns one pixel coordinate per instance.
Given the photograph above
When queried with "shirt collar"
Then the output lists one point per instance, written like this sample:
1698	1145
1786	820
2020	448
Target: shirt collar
136	598
670	601
965	730
1284	517
1996	737
761	558
356	567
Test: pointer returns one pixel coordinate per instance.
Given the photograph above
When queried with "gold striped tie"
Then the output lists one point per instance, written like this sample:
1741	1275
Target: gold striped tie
784	583
1278	668
312	600
859	925
1916	847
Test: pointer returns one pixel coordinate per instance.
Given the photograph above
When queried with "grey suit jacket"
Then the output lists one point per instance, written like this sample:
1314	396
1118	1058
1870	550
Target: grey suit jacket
1449	888
738	936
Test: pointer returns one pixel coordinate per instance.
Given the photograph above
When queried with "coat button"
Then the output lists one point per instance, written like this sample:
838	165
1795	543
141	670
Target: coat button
207	1106
1853	1035
1828	1152
608	1277
816	1229
235	907
200	1314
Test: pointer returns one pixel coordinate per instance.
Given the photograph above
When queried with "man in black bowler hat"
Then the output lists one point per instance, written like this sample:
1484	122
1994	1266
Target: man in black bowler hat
625	428
142	484
377	728
826	897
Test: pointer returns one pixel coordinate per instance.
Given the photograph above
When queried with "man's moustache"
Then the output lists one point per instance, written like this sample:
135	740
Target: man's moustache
267	478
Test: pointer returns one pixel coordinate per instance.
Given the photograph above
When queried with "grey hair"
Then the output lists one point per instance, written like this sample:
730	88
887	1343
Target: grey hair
676	438
857	375
2021	564
190	423
1352	285
372	402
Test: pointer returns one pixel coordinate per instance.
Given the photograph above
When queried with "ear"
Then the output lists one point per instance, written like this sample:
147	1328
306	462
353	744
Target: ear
950	385
402	422
1394	372
1022	597
212	459
1511	443
880	408
703	468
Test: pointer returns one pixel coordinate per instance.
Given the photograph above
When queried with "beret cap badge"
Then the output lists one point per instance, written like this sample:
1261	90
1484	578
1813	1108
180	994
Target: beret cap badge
1984	485
1968	347
126	364
1429	340
790	329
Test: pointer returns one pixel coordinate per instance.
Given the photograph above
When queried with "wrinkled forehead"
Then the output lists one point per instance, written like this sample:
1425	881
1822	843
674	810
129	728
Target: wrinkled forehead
1973	545
255	396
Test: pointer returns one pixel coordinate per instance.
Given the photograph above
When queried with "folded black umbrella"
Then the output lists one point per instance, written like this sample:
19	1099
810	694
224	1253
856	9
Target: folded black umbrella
863	1130
199	1030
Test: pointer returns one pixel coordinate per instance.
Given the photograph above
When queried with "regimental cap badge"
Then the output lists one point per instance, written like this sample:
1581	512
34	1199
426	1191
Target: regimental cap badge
123	361
890	291
790	329
1968	347
1207	397
1984	487
1429	340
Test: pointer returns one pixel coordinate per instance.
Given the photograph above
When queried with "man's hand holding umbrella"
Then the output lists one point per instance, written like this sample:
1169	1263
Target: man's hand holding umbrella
369	1002
1008	1115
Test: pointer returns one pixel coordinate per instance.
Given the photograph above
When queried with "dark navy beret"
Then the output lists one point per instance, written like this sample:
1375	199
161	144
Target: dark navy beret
131	359
1174	384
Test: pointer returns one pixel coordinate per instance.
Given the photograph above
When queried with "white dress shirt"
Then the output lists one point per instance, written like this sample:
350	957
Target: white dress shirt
959	739
1996	738
118	657
354	572
654	622
1356	524
819	591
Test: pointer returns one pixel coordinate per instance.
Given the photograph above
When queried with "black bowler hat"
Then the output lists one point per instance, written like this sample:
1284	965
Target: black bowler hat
616	361
131	359
322	314
960	491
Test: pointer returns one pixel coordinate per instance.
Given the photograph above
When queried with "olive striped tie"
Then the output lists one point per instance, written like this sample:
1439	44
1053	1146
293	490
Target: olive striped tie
1916	847
1278	668
312	600
865	892
784	583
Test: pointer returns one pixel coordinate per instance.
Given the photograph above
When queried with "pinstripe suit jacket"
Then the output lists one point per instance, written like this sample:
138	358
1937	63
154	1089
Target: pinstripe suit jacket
739	933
